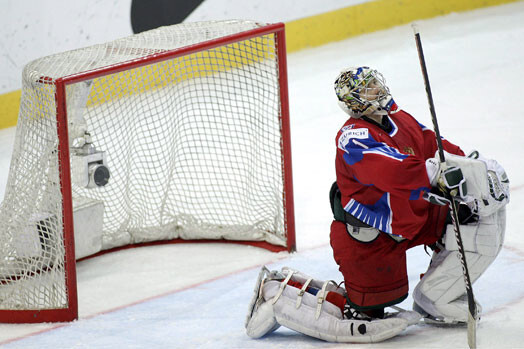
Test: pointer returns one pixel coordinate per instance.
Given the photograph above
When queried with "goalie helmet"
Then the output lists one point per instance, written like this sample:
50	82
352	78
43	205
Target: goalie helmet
363	91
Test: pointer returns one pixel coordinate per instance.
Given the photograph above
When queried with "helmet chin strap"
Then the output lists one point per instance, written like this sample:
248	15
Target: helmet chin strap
379	111
383	106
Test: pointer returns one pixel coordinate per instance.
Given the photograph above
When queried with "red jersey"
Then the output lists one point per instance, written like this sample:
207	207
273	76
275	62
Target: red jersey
382	174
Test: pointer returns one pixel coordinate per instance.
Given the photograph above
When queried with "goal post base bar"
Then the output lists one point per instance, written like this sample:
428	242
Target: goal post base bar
38	316
68	314
261	244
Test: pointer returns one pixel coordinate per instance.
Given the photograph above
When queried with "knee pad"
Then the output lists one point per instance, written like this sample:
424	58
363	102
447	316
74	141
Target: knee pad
439	292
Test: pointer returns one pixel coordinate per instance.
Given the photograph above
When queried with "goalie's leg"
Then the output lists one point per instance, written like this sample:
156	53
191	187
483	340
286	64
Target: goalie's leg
315	308
440	293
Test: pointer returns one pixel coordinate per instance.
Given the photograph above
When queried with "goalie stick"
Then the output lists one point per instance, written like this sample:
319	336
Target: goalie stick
472	306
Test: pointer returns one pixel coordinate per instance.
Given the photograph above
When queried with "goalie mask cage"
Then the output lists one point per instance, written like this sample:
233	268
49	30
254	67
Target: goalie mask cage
181	132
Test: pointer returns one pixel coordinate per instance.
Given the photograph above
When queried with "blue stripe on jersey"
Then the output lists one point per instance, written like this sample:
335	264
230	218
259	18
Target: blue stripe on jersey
415	194
394	127
424	128
378	215
356	148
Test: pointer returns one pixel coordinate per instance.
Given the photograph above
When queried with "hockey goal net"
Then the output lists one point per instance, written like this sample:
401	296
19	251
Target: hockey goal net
180	132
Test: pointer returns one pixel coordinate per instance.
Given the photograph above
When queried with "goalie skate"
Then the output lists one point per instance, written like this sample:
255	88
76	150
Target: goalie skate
411	316
437	321
441	321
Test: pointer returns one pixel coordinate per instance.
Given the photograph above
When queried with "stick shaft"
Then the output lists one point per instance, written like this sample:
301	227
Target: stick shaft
472	306
429	94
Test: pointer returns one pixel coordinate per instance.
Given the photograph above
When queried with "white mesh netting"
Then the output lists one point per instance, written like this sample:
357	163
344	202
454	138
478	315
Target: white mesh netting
193	145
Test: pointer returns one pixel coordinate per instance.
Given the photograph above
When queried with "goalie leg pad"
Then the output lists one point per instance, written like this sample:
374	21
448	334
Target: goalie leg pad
310	314
329	324
484	237
440	292
262	321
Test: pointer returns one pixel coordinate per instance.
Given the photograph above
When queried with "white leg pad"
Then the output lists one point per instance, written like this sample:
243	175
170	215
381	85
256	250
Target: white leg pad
262	322
441	289
260	319
484	237
438	291
324	320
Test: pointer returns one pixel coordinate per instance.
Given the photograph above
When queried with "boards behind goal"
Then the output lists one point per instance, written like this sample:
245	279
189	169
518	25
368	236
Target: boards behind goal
181	132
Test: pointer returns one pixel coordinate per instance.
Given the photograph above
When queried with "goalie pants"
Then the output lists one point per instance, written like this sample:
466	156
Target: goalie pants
375	272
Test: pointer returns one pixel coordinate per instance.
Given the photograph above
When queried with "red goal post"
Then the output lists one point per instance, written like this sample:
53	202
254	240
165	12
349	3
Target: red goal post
178	134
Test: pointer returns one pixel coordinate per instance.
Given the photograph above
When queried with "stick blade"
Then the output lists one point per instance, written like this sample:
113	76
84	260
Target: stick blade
472	331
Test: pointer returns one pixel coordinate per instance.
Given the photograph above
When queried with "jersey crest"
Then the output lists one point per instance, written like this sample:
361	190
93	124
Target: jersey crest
408	150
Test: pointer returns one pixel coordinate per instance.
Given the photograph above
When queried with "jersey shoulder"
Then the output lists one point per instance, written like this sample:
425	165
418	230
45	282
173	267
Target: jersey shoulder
403	118
354	129
355	124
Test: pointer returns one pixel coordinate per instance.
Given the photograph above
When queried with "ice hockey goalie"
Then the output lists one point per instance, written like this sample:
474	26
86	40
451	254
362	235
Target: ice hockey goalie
391	194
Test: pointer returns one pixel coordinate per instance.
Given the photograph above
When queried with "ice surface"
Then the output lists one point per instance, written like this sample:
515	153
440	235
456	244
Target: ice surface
196	295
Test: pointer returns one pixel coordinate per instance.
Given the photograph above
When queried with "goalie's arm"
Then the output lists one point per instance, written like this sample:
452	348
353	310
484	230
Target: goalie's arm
430	146
384	167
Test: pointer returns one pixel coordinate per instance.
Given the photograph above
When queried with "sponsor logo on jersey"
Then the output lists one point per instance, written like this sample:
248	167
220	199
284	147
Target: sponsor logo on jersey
345	128
358	133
